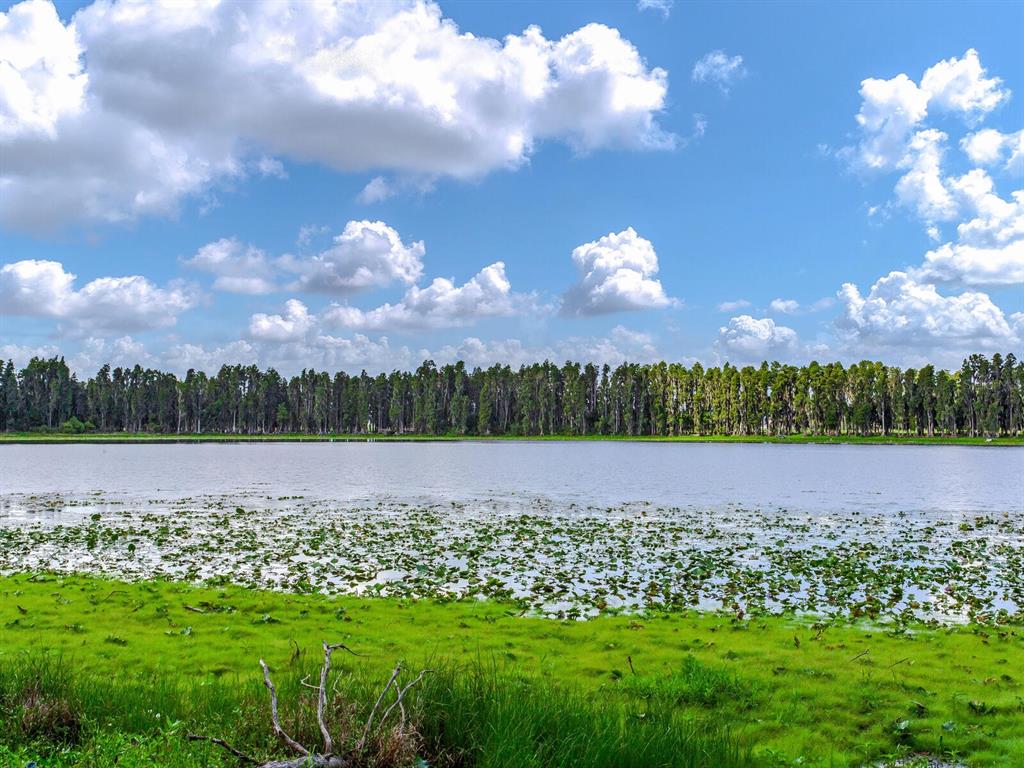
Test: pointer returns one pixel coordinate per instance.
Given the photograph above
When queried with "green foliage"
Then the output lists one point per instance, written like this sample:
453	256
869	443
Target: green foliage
838	698
984	398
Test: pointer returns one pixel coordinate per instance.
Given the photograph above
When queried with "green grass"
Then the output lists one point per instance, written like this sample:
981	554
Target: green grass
147	437
789	689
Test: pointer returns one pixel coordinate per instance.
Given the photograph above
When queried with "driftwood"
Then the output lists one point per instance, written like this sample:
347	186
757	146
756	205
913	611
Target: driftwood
327	757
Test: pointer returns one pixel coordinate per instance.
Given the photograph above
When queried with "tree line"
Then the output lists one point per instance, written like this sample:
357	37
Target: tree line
985	397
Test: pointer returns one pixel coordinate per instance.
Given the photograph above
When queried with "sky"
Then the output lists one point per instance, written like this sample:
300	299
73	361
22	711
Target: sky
352	186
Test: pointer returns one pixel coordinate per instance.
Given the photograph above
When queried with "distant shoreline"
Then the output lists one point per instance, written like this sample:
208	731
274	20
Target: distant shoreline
26	438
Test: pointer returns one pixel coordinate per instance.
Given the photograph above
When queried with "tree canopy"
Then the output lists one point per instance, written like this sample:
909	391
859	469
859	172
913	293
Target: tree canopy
985	397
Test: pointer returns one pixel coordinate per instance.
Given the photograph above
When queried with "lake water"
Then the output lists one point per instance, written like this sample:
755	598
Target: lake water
565	528
809	478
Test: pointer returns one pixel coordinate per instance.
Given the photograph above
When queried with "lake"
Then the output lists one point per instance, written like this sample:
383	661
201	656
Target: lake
565	528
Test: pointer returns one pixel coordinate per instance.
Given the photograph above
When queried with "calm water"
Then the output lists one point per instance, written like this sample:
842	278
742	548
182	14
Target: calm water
806	478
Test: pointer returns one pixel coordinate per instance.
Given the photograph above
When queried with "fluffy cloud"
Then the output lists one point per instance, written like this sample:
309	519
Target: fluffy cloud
40	77
364	255
990	245
292	325
44	289
616	275
238	268
748	338
785	306
922	187
899	312
719	68
892	109
988	147
190	92
960	85
619	346
442	304
20	354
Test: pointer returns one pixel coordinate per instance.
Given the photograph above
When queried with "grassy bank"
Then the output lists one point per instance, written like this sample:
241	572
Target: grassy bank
147	437
788	689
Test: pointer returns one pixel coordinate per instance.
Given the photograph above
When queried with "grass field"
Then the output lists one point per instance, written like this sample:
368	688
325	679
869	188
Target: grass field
787	691
146	437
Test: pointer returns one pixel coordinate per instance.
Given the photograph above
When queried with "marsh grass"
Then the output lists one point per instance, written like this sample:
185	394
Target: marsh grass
476	715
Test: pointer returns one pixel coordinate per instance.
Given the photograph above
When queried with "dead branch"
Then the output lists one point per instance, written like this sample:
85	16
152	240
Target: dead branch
373	712
224	744
273	713
401	695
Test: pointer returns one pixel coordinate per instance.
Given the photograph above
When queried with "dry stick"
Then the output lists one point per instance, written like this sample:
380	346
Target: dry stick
321	699
401	695
369	721
273	713
221	743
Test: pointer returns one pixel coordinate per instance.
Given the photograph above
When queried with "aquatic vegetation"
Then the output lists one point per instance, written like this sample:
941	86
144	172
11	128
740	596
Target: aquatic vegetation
566	561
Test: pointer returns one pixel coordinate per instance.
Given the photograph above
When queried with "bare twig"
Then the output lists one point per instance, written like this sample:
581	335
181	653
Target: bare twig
222	743
273	713
401	695
373	712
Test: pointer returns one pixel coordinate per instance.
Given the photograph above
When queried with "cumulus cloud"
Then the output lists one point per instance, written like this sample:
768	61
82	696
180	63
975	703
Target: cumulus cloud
20	354
238	268
961	85
619	346
191	92
366	254
785	306
616	275
442	304
719	68
990	147
291	325
990	245
899	312
44	289
748	339
892	110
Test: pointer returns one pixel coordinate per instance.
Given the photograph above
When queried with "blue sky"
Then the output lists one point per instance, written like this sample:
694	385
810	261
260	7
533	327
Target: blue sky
657	208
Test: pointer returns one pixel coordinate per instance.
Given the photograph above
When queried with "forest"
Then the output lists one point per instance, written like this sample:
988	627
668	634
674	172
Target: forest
983	398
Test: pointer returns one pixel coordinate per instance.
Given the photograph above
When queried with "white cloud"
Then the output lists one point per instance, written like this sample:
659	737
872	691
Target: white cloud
732	306
922	188
960	85
664	7
40	77
238	268
20	354
988	147
990	246
889	111
191	91
616	275
124	352
892	109
376	190
292	325
619	346
181	357
441	304
719	68
753	339
366	254
900	313
44	289
785	306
